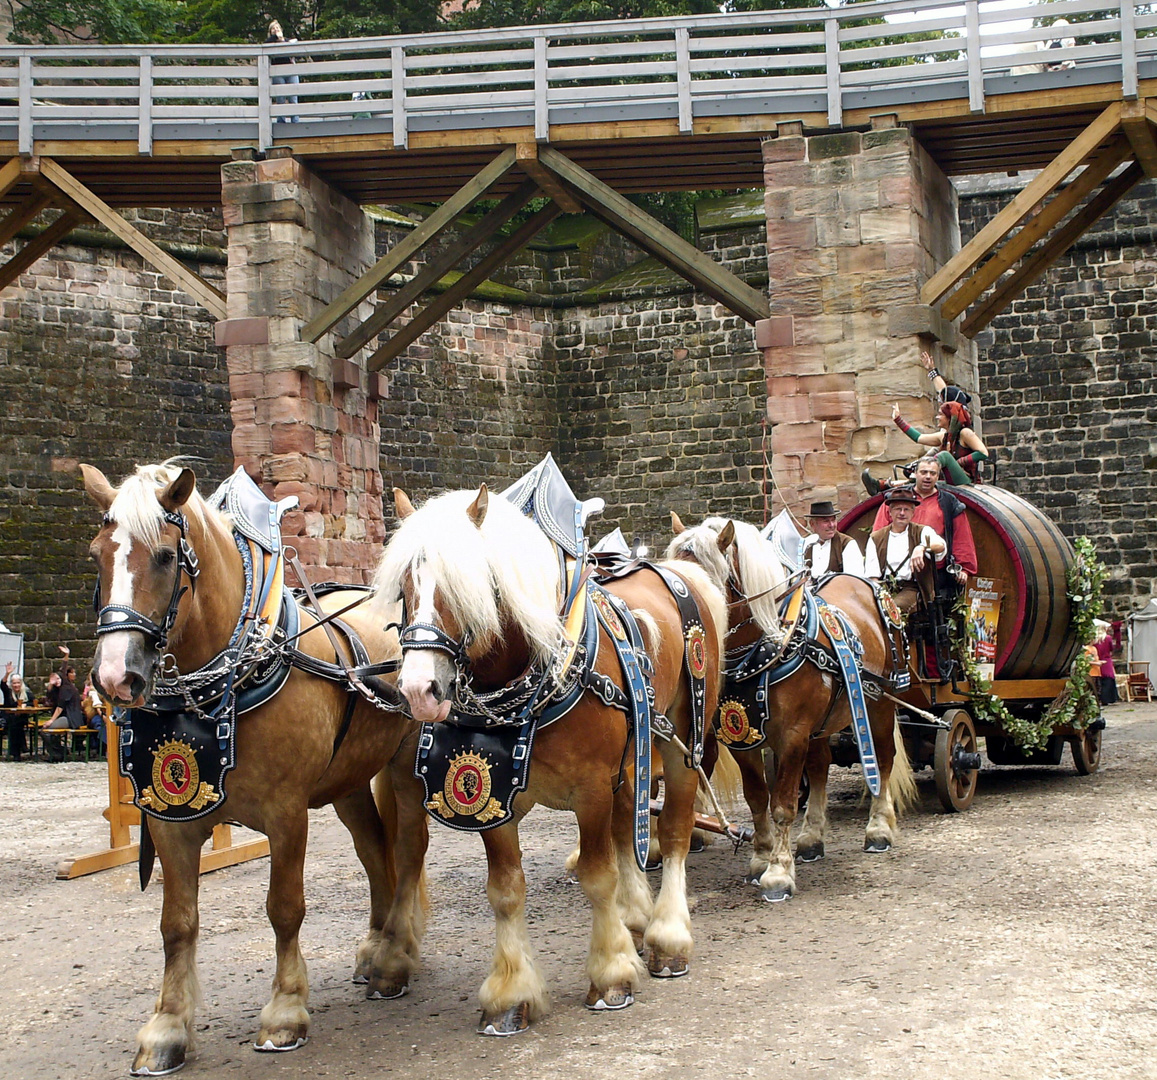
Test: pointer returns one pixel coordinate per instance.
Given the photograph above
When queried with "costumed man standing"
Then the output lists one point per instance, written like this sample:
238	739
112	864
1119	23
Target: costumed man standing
902	554
826	550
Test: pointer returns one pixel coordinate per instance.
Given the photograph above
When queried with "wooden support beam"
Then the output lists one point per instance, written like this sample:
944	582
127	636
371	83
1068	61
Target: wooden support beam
462	288
400	253
211	299
656	239
386	312
36	247
1049	178
528	162
1139	130
1053	249
1036	228
23	214
11	174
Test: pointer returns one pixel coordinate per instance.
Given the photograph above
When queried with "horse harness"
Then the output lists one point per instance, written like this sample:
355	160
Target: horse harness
475	763
177	749
751	672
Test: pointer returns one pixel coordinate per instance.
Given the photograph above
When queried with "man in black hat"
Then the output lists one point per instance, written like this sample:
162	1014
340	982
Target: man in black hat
826	550
902	554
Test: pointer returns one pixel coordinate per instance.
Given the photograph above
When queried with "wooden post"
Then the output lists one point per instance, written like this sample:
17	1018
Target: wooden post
123	815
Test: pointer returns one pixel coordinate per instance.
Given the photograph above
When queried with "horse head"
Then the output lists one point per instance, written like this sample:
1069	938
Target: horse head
146	572
479	588
740	563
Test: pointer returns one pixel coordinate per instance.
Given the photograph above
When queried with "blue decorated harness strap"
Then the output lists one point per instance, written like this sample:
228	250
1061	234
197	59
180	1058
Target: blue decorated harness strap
848	651
623	631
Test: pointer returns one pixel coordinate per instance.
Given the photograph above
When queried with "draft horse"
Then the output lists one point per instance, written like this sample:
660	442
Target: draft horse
172	590
482	586
803	708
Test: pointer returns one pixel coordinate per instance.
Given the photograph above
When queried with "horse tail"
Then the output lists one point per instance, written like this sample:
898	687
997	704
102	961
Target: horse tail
902	781
725	778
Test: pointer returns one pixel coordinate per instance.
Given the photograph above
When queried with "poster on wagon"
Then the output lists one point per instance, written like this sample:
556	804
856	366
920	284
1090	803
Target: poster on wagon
983	616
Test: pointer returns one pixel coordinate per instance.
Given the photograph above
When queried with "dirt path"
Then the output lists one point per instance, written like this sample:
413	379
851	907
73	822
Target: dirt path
1015	940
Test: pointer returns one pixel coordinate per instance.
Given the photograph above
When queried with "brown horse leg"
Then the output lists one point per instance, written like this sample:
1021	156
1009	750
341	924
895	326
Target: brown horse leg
397	957
669	934
162	1044
880	834
782	772
359	814
285	1020
634	893
514	993
758	799
810	844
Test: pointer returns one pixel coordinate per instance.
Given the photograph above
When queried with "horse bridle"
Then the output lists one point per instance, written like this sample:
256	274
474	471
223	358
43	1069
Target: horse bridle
115	617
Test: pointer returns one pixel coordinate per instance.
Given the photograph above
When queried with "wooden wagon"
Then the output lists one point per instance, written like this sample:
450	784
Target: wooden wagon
1026	560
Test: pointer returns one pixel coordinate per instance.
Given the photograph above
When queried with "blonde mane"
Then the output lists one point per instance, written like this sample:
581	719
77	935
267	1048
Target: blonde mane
759	569
507	569
136	508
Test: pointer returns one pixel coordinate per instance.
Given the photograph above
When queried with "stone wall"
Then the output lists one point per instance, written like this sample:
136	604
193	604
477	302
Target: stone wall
1069	389
100	361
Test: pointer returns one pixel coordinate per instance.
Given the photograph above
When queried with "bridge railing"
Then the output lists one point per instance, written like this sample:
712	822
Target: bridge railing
867	55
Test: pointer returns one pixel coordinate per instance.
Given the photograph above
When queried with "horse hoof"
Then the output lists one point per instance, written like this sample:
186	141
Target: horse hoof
877	845
697	845
811	853
776	894
656	865
390	992
360	979
166	1062
674	967
637	941
609	1000
270	1047
752	877
511	1022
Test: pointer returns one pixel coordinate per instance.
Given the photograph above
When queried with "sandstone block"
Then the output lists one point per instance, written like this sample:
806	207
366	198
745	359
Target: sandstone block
842	144
784	148
802	438
292	438
777	332
277	468
887	226
789	410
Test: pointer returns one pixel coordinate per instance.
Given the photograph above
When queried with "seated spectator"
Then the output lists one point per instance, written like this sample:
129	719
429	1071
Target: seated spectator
67	714
15	695
902	554
826	550
93	709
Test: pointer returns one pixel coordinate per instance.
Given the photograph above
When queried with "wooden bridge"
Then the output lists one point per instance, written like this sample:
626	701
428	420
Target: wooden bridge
645	105
589	112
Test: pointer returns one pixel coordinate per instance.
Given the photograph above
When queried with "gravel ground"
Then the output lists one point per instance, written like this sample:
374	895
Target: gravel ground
1014	940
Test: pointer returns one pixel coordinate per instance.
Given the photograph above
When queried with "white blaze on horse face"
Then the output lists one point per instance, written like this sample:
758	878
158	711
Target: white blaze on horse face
422	668
112	649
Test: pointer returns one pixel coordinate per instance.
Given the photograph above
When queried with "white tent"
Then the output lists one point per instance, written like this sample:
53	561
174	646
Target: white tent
1143	636
11	651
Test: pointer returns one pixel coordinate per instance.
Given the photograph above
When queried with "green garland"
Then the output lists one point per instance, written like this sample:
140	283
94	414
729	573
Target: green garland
1077	705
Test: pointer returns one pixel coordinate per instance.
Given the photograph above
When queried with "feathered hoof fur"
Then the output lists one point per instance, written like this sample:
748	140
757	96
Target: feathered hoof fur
609	1000
511	1022
670	967
811	853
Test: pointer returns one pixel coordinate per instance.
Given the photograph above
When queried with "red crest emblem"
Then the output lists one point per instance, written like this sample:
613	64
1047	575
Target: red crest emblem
733	726
696	651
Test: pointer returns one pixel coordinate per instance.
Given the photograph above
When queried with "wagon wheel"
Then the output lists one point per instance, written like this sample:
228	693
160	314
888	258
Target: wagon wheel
1087	751
956	764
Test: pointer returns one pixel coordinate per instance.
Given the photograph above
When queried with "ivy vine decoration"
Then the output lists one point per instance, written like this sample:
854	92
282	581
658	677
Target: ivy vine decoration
1076	705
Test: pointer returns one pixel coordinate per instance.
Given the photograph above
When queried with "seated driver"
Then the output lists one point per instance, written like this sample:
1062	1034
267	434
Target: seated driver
902	554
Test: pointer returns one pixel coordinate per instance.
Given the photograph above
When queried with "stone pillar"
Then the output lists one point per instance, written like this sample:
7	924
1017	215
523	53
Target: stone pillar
305	423
856	223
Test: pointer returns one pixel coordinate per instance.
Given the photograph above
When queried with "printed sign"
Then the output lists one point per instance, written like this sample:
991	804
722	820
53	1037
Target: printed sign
981	624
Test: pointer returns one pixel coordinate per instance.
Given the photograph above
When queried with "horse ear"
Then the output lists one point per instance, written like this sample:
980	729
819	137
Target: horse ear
476	511
178	492
726	536
677	525
97	487
402	505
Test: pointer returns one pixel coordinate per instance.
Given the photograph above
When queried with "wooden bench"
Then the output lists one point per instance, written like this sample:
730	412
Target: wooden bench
69	735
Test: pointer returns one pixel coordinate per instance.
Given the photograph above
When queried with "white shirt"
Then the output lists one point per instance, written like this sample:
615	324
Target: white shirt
821	555
896	554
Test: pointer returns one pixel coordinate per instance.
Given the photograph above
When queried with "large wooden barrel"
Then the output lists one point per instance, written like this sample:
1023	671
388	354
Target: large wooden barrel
1028	559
